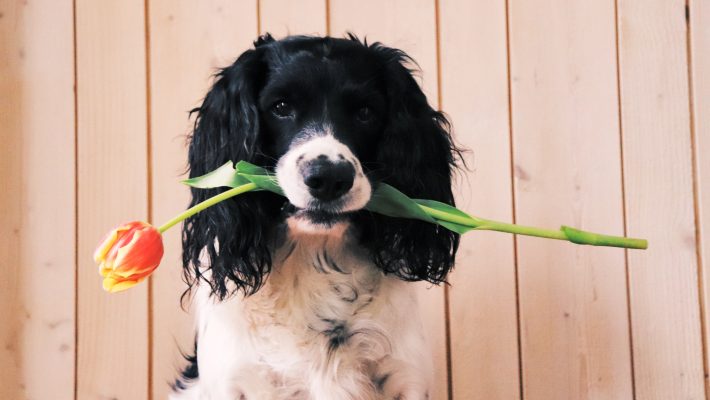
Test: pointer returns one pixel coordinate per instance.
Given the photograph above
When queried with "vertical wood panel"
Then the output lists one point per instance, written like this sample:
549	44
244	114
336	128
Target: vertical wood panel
188	42
574	322
407	25
482	297
37	260
286	17
112	329
410	26
659	199
700	80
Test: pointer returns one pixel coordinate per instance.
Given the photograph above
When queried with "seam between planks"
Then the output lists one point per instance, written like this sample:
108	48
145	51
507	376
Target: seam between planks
511	149
447	312
327	17
696	195
149	187
76	202
258	18
627	269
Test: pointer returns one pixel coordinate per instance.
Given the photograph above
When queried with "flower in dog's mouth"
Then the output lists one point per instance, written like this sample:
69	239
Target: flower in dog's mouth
131	252
128	254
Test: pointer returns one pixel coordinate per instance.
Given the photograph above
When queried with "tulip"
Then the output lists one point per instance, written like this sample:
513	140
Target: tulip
131	252
128	255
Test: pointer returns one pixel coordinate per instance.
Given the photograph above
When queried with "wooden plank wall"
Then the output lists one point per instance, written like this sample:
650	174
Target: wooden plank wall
188	42
565	135
656	127
593	114
112	186
38	204
484	359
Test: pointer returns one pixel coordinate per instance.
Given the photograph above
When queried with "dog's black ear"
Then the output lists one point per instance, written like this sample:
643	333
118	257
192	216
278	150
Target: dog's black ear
417	156
226	245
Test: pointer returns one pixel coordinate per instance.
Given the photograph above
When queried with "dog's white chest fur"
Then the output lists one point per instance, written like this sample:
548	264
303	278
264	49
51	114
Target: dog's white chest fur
326	325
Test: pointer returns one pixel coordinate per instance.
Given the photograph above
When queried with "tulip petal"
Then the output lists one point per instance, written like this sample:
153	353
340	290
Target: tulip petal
124	235
105	269
105	245
112	285
143	253
128	255
124	247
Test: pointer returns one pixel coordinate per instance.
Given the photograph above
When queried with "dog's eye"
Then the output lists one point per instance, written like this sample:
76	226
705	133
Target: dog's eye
364	114
282	109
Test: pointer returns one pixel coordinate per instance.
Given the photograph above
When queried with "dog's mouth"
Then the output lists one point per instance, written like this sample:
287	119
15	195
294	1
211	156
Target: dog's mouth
317	214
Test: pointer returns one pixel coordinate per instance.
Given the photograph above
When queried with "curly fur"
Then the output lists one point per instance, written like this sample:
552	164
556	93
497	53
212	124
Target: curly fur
238	248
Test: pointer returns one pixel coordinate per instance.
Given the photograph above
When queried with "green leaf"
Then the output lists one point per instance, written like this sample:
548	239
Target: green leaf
447	216
445	208
245	167
391	202
259	176
225	175
454	227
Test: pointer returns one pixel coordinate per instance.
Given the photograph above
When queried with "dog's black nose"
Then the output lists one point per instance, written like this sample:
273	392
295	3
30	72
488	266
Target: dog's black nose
327	180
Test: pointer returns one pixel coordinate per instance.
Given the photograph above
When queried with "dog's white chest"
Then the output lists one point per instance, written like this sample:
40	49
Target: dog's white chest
326	325
316	306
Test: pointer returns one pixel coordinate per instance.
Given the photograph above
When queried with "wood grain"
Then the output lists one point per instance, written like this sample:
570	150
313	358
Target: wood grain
112	188
482	296
37	217
665	315
700	89
574	322
188	42
410	26
287	17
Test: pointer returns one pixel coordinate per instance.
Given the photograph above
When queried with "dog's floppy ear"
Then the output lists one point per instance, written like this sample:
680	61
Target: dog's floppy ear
417	156
227	244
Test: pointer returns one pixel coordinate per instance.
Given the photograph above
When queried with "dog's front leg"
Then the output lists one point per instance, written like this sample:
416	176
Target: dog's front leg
252	382
399	380
341	377
348	385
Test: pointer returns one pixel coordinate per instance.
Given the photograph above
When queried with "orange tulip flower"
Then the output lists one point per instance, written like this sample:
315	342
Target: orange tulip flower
128	255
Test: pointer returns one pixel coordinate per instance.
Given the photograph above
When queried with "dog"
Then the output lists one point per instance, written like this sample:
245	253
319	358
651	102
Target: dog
307	296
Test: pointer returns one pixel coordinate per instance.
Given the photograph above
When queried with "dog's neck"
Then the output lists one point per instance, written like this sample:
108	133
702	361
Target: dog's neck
321	274
320	248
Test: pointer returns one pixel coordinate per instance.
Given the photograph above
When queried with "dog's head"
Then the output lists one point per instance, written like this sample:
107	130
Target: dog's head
333	118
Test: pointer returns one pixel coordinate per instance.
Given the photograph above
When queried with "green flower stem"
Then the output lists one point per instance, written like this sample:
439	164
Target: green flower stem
568	234
483	224
207	203
565	233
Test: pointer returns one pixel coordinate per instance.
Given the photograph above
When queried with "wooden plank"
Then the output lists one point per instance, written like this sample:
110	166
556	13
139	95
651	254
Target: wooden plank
700	89
407	25
287	17
482	296
410	26
37	259
11	220
659	200
210	35
573	301
112	188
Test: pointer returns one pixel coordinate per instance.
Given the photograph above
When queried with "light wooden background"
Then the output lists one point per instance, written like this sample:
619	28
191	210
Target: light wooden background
589	113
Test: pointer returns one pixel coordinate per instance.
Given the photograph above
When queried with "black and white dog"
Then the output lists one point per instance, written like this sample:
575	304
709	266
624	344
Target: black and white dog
306	297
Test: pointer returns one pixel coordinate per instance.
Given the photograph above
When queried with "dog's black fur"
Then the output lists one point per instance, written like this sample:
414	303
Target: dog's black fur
387	122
